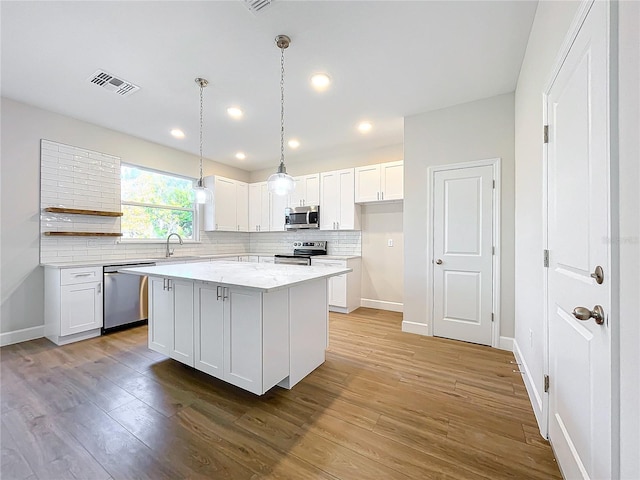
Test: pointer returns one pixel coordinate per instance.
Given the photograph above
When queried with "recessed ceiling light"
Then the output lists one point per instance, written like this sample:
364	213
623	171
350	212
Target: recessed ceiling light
320	81
235	112
294	143
365	127
176	132
241	156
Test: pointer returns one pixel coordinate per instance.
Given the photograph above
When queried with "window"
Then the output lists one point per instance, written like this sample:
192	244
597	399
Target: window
155	204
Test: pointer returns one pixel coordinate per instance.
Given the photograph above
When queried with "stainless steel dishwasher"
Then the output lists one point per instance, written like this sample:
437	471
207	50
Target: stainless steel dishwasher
125	297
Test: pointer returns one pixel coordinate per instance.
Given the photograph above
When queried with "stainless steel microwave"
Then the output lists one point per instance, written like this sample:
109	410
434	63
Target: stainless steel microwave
302	217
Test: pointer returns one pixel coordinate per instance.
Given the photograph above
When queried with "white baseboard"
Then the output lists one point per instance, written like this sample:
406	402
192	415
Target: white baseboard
23	335
413	327
534	394
381	305
506	343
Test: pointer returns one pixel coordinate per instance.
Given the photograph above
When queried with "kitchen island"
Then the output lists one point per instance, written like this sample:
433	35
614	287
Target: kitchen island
252	325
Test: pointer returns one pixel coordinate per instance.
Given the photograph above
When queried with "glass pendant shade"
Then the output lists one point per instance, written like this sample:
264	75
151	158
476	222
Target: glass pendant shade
202	194
280	183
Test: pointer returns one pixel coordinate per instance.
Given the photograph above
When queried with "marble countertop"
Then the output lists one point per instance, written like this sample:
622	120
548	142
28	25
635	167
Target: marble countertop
177	258
264	277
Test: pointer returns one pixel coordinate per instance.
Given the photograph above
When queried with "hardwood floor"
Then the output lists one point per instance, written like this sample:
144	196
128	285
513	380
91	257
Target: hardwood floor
385	405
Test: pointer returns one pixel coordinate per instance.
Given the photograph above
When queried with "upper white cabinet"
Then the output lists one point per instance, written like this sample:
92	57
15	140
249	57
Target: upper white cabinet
337	208
278	204
379	183
230	209
307	191
259	207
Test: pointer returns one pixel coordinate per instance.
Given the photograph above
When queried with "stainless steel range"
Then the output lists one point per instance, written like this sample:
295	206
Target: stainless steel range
302	253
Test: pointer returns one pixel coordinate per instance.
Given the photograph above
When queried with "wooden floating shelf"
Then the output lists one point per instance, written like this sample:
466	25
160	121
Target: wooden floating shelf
81	234
78	211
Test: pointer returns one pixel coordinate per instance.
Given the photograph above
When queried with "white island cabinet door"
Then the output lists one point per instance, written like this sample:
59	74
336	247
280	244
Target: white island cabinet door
160	315
80	307
243	335
182	324
209	330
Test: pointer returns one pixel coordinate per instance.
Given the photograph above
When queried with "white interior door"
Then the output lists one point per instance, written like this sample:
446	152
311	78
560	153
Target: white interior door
578	229
462	254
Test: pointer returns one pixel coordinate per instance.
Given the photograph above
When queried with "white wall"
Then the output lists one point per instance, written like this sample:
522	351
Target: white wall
629	235
382	272
472	131
23	127
550	26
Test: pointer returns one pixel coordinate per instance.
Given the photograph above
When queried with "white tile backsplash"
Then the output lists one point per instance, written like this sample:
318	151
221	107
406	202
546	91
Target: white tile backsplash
79	178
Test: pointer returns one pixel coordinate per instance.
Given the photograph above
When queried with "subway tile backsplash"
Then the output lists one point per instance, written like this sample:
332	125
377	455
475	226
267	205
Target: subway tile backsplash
73	177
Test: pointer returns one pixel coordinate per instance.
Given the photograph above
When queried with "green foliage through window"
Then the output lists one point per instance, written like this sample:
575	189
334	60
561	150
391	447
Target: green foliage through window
155	204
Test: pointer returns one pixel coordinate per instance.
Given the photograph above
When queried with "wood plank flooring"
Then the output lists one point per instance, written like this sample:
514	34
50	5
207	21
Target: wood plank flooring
385	405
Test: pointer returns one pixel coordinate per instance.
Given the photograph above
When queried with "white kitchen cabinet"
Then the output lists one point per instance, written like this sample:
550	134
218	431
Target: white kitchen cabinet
343	291
259	207
229	211
73	303
306	191
338	210
378	183
278	204
209	330
242	336
171	307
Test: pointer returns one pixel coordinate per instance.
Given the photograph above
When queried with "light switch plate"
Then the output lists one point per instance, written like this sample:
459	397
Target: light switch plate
390	242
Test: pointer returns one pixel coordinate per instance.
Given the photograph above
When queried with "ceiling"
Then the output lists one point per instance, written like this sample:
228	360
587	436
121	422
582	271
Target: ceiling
387	60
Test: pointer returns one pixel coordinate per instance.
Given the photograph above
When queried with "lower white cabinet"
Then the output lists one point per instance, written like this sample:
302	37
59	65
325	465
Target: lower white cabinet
343	291
238	335
73	303
171	307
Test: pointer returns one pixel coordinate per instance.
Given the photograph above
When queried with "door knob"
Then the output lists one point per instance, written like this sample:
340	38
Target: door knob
598	275
438	262
582	313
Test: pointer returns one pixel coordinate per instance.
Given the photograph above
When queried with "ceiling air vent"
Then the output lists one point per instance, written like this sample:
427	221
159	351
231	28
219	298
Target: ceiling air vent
113	83
257	6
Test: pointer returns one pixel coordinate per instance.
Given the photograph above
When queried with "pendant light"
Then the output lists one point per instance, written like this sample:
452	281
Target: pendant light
202	194
280	183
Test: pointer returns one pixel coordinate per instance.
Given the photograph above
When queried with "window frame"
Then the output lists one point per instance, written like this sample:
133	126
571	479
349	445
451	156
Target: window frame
194	206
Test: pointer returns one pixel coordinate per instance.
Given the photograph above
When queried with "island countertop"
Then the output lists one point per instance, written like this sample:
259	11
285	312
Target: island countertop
263	277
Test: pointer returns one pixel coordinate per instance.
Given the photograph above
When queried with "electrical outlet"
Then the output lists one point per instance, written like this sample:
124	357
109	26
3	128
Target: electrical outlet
91	243
390	242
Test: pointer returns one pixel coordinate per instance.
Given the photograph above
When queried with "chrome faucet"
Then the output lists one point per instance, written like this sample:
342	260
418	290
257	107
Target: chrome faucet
170	252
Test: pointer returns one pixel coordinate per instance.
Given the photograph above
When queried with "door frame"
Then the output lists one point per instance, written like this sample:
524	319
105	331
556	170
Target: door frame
496	341
614	262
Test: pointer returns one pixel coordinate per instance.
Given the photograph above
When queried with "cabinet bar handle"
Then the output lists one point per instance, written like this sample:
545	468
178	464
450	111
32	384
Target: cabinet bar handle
382	195
225	293
99	289
83	274
218	294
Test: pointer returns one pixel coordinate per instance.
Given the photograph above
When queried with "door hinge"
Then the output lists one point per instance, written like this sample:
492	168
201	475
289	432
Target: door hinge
546	383
546	134
546	258
492	316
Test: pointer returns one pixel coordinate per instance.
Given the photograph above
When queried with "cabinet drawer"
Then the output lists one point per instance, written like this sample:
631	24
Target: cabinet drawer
72	276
